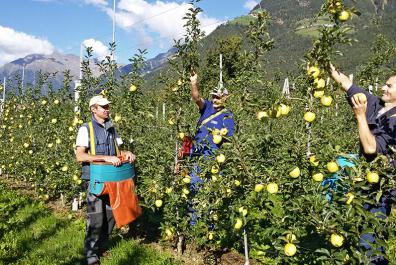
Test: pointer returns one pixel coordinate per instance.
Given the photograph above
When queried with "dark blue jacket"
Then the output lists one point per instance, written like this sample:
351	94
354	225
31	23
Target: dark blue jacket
105	137
382	127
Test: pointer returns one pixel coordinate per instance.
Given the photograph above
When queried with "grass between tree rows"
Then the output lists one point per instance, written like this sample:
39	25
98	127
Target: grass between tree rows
32	234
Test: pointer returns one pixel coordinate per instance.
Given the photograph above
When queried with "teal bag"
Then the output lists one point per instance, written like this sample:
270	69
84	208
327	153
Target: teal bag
101	173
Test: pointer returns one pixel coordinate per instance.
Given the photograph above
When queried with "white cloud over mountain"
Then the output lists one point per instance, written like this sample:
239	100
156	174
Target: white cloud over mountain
161	19
100	50
250	4
15	44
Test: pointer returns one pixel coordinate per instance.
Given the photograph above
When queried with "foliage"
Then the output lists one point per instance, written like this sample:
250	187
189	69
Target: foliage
272	140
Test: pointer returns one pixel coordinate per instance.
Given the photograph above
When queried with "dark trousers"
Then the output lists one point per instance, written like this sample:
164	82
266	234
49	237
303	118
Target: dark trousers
100	223
382	209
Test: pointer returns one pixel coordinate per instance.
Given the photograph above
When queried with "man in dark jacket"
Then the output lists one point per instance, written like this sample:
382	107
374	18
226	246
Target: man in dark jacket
376	121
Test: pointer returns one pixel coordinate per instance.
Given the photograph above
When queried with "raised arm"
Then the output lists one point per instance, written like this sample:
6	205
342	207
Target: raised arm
195	91
340	78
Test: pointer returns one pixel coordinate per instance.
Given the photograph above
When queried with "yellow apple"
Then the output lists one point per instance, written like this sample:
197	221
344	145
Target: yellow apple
309	116
337	240
372	177
313	71
344	16
158	203
290	249
295	173
258	187
360	97
326	100
318	93
320	83
220	158
217	139
132	88
117	117
262	114
313	161
272	188
223	131
350	198
187	179
238	224
332	167
318	177
284	109
214	169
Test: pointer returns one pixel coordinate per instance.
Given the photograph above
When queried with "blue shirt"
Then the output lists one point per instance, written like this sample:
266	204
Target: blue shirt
383	127
203	141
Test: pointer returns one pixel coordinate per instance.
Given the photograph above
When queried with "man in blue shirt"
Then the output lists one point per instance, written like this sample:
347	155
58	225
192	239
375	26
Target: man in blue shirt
214	120
214	126
376	121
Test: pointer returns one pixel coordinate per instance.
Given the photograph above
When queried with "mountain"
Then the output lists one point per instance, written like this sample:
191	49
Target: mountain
154	63
29	66
293	27
57	63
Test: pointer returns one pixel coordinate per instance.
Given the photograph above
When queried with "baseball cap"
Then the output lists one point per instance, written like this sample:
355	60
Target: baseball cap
99	100
219	92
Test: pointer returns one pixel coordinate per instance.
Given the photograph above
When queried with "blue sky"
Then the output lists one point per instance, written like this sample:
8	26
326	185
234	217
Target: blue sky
44	26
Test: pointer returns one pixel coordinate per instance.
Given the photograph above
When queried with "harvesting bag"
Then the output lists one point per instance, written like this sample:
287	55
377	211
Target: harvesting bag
186	147
118	183
333	181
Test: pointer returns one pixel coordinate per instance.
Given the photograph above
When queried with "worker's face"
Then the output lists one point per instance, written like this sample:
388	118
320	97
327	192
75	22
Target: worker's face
102	112
389	90
218	101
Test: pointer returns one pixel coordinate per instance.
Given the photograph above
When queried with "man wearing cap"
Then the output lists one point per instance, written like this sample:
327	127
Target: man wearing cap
376	122
214	126
214	120
100	220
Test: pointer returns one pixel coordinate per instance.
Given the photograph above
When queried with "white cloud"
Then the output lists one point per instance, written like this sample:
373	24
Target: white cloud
14	45
250	4
164	19
99	49
96	2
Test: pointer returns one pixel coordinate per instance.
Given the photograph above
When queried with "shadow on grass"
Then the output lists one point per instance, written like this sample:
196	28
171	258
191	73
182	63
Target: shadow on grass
19	224
27	244
146	227
74	261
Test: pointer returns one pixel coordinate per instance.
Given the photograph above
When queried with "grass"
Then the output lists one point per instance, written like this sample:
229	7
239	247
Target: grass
32	234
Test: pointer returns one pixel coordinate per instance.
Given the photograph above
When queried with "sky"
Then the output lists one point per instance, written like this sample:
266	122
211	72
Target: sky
47	26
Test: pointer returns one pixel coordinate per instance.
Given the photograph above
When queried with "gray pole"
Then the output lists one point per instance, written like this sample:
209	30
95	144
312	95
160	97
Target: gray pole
221	71
81	59
114	14
4	89
2	101
23	76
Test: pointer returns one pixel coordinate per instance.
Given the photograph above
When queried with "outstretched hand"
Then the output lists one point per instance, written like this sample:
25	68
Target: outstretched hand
193	77
340	78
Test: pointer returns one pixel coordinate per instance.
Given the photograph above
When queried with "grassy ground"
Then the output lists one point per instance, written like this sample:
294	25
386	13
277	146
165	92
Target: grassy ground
32	234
